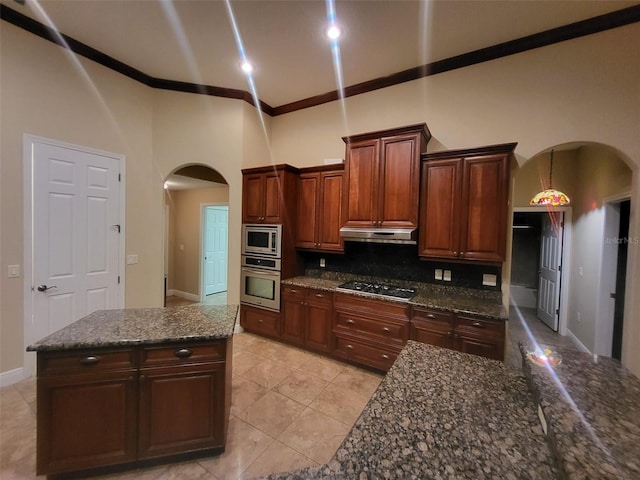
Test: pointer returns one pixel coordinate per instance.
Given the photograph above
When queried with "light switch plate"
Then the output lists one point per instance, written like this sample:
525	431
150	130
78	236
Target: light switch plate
438	275
13	271
446	276
132	259
323	263
489	280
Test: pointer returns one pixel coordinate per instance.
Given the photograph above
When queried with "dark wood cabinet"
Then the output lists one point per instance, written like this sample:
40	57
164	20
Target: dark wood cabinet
432	327
382	176
464	204
260	321
106	407
320	208
368	331
267	192
306	317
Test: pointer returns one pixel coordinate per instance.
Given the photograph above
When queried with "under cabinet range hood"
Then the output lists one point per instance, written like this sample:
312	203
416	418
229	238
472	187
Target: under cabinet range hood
406	236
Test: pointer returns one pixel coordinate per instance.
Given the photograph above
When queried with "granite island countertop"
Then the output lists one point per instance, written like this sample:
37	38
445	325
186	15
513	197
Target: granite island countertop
592	409
138	326
485	303
441	414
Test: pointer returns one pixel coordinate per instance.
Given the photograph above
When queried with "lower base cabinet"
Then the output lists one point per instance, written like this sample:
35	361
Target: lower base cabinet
306	317
119	407
260	321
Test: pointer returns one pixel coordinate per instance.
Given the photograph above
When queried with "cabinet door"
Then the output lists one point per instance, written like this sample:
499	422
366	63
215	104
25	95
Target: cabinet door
308	192
181	408
273	198
476	345
319	312
292	314
399	181
86	421
440	209
259	320
253	198
432	327
361	183
484	208
330	211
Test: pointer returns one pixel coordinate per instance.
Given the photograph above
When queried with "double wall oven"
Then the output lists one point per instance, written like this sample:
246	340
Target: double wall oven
261	262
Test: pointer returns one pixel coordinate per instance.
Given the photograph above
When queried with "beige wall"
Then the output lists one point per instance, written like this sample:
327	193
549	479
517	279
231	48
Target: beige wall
184	244
581	90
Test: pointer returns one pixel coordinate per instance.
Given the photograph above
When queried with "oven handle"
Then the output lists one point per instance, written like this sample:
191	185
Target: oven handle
273	273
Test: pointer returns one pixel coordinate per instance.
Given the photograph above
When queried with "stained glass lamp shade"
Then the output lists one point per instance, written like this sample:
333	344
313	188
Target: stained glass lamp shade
550	196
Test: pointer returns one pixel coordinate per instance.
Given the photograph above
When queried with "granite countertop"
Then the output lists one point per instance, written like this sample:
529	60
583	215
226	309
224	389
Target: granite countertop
441	414
441	297
112	328
592	408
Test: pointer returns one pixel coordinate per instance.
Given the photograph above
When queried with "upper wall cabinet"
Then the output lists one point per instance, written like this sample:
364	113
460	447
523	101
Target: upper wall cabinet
265	191
464	204
382	177
319	208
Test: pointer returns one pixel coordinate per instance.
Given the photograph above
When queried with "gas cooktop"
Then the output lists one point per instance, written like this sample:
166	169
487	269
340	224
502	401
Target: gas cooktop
378	289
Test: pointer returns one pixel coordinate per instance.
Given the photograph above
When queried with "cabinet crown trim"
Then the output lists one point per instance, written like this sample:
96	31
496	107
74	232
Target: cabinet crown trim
417	128
502	148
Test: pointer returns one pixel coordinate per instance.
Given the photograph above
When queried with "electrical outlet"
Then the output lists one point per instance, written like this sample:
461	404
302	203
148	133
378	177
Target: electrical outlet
489	280
323	263
438	275
132	259
13	271
446	275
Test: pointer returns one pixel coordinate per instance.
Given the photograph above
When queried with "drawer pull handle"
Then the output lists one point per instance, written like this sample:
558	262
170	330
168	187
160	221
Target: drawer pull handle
385	356
183	353
350	322
386	329
349	346
319	295
260	320
293	290
478	325
90	360
431	315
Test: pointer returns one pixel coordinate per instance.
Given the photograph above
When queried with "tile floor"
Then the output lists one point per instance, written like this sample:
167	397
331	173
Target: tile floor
290	409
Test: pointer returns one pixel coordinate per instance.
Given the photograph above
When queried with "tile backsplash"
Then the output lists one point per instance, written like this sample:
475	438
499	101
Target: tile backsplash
400	262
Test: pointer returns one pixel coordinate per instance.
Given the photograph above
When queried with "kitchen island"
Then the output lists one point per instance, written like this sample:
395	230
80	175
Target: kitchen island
126	388
439	413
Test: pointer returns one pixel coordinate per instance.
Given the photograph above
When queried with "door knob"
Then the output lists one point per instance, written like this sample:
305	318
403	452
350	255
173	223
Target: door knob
44	288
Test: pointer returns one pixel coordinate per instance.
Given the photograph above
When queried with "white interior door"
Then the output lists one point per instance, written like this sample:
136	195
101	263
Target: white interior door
76	228
215	249
550	268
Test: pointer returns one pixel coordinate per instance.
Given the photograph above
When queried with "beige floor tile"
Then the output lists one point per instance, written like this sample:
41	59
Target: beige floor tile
293	357
243	340
267	349
322	367
244	360
187	471
268	373
244	444
244	393
151	473
358	380
341	403
315	435
301	387
277	458
273	413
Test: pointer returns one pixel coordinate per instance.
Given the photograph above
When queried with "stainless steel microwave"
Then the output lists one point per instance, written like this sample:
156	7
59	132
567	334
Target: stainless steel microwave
264	240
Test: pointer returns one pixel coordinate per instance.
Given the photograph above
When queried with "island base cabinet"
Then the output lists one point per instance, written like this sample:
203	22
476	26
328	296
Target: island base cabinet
94	424
181	411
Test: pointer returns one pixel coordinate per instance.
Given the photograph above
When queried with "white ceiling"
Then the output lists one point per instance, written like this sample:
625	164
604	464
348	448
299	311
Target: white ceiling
285	38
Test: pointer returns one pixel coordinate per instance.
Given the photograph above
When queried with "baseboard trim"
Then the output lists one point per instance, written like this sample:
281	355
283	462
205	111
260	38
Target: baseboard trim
179	293
12	376
577	342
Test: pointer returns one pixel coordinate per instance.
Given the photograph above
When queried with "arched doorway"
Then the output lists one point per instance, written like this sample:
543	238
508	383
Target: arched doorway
196	236
597	180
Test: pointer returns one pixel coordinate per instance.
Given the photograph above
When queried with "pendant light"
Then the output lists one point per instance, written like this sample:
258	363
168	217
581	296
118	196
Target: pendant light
550	196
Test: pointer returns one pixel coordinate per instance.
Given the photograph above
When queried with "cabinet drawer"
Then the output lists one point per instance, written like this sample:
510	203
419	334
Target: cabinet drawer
344	302
378	329
481	326
319	297
260	321
293	292
365	354
85	361
433	316
183	353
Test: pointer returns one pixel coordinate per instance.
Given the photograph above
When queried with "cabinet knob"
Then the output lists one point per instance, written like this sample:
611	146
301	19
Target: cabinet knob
183	353
350	322
386	329
90	360
319	295
431	315
385	356
293	290
260	320
349	346
478	325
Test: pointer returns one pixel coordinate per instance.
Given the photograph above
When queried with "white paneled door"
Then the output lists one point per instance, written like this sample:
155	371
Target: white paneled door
216	232
550	268
76	228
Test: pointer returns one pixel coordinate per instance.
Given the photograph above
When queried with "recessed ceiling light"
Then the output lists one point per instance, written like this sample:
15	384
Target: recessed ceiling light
246	66
333	32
